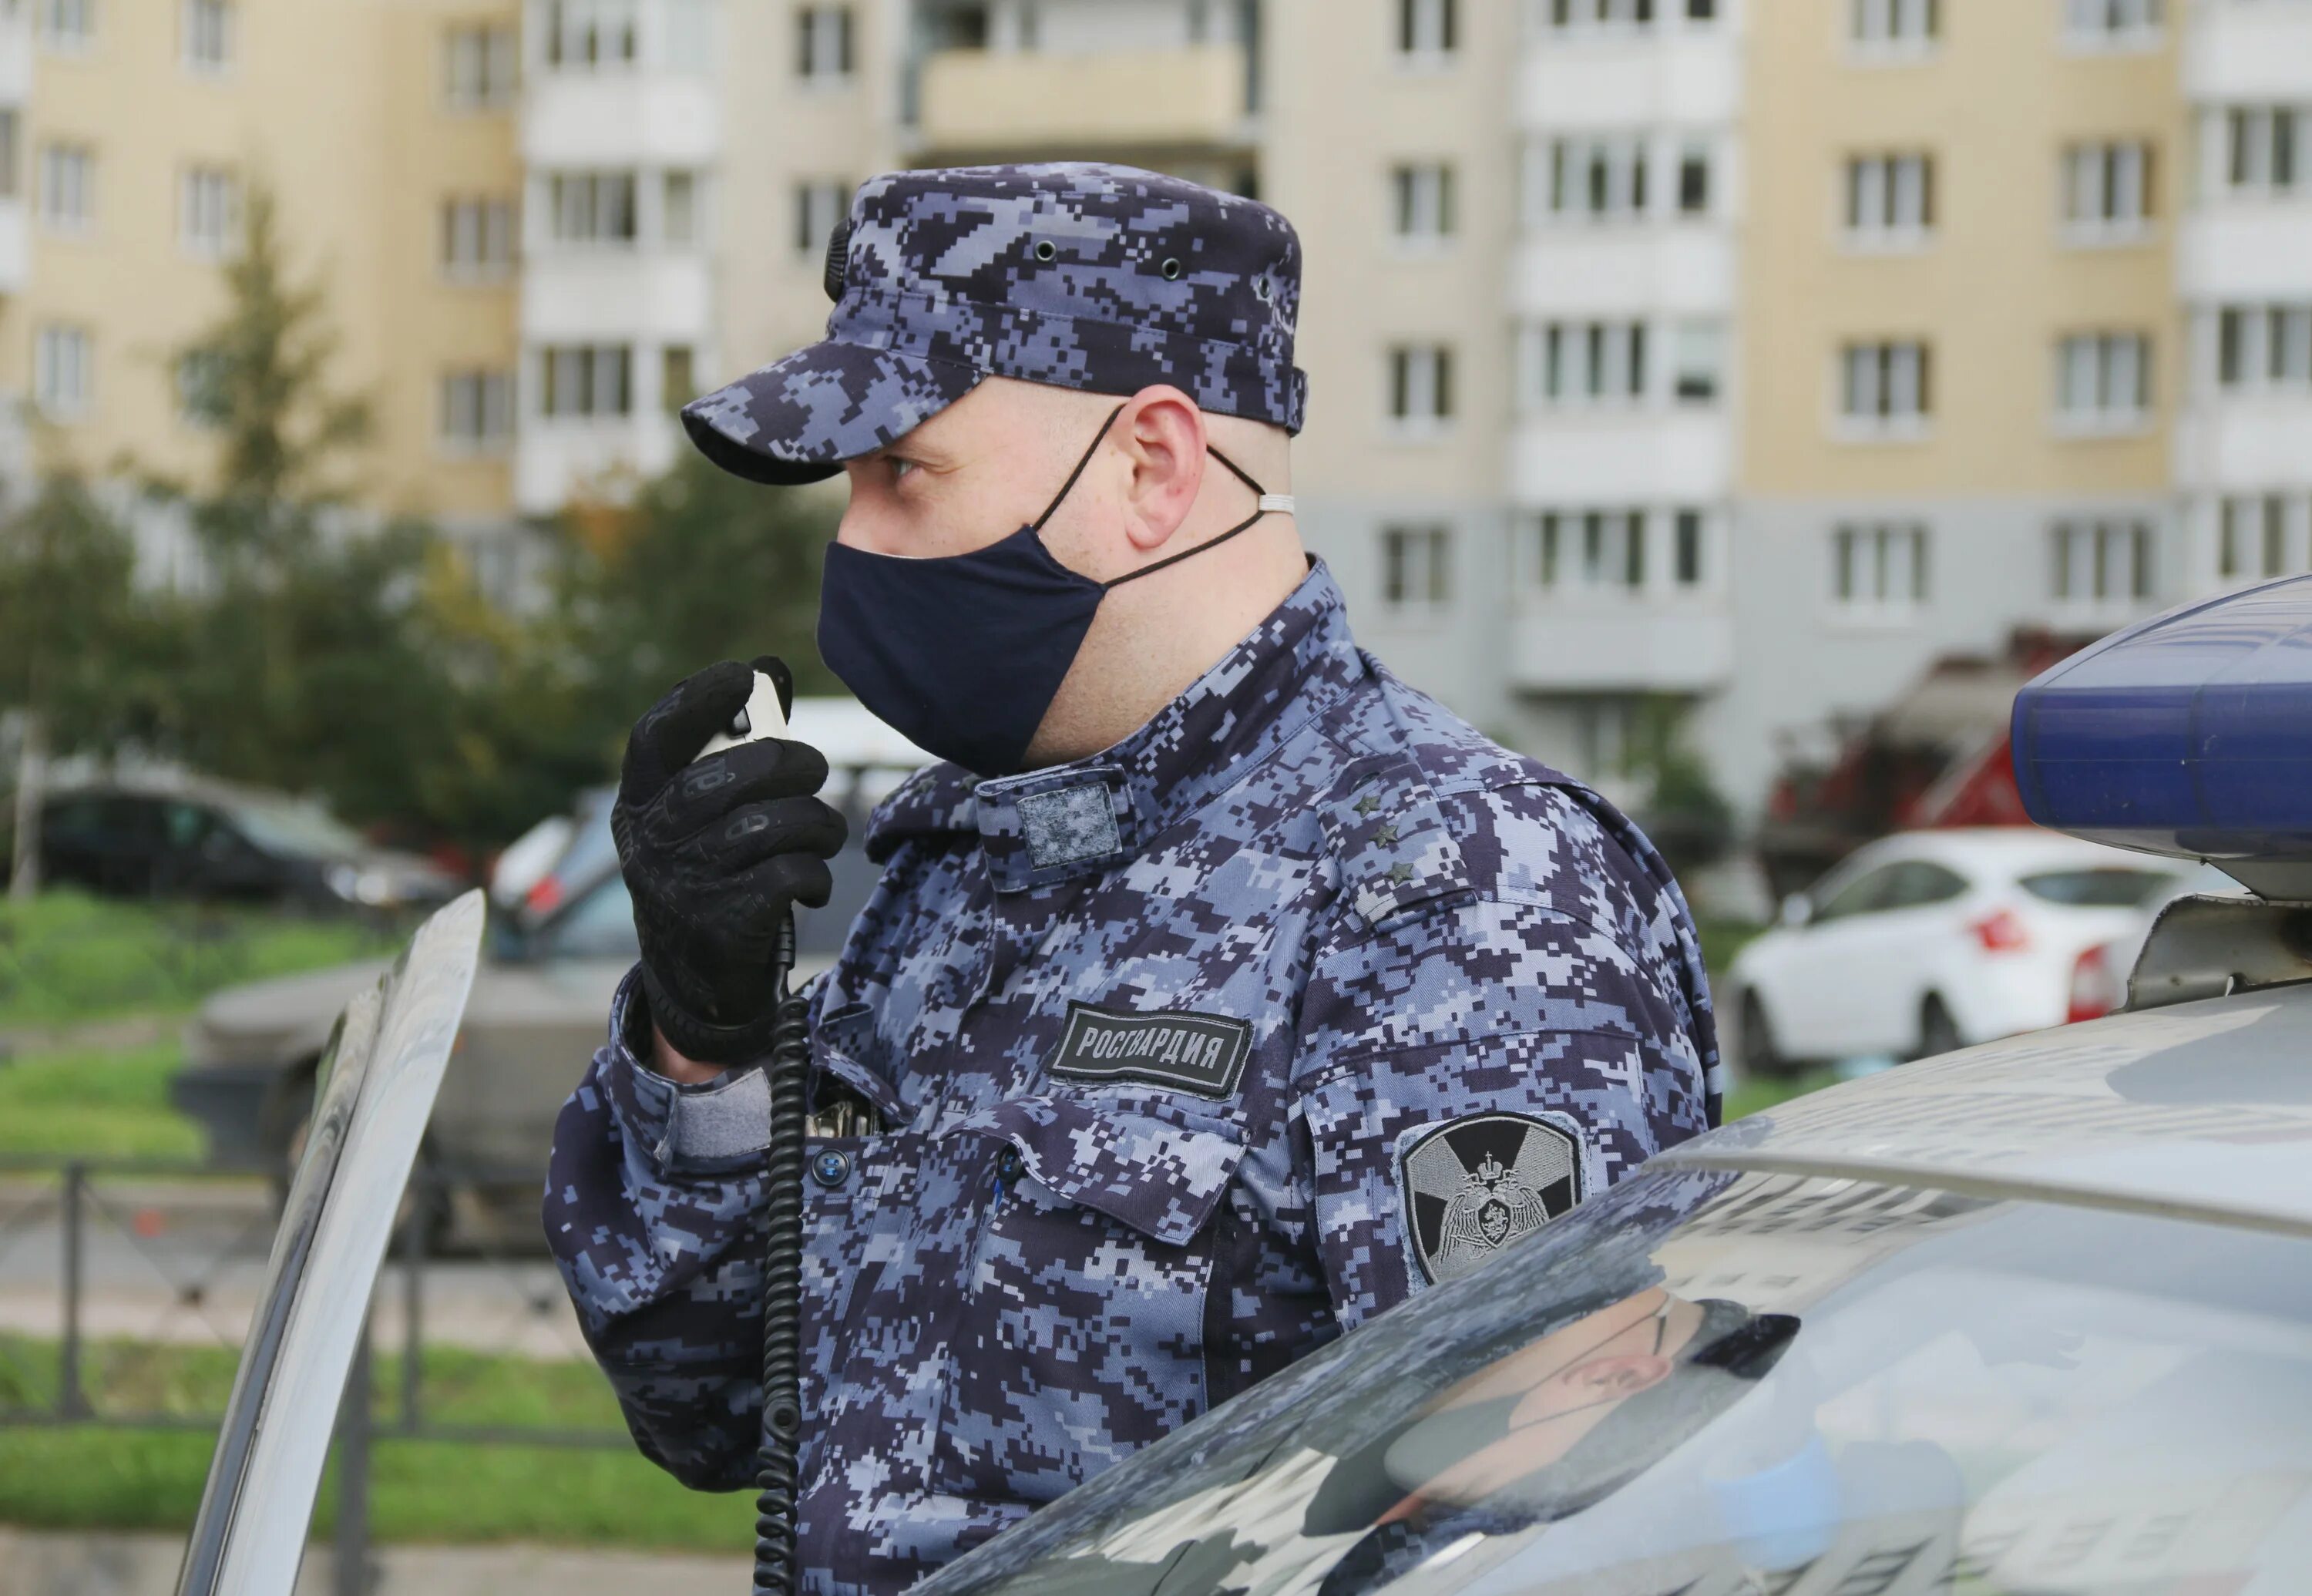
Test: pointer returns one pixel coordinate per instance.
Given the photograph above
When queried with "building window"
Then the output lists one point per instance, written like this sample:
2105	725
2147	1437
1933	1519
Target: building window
589	380
477	67
68	186
592	207
2264	347
1561	16
2103	381
2111	24
1880	568
205	31
1884	386
2107	191
818	206
2267	148
477	238
1421	385
586	35
12	130
1895	24
1699	356
1587	362
677	383
2255	540
1424	208
64	371
1416	569
1595	178
823	42
477	409
199	375
1694	180
68	25
2102	564
1591	551
1685	547
1890	200
1427	30
209	213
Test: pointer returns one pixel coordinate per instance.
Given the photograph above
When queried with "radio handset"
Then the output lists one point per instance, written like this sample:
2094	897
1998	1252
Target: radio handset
786	1072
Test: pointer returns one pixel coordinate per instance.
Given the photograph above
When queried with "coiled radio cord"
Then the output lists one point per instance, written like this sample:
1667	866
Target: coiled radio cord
786	1071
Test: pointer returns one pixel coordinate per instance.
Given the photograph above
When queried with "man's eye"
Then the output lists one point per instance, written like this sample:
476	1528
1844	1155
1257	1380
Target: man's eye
901	468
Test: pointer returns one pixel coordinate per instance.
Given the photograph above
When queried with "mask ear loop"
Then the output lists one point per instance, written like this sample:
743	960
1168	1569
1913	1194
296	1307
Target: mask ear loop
1037	526
1268	502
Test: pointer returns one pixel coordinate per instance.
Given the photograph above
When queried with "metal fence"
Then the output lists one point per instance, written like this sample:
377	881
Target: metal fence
111	1270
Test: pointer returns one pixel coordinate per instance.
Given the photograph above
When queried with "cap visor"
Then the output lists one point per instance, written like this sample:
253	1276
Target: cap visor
798	419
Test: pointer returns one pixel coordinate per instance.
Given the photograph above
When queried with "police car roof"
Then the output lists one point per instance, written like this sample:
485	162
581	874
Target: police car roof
2200	1109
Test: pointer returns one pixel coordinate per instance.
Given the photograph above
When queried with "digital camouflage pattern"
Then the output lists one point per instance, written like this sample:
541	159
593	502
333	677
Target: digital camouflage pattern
1104	278
1024	1277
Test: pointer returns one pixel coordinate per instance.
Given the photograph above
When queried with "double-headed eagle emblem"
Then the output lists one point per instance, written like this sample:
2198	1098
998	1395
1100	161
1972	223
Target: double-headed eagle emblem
1472	1186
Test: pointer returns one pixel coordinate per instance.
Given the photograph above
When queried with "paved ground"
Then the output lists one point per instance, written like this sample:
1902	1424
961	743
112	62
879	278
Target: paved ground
56	1564
182	1262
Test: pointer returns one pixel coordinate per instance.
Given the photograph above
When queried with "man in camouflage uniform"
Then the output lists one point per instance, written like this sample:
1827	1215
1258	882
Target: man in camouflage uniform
1231	995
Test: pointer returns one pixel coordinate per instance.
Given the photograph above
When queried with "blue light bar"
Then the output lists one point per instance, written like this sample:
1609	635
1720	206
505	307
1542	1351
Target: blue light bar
2190	734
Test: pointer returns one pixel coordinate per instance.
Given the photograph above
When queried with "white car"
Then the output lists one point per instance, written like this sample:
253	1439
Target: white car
1930	941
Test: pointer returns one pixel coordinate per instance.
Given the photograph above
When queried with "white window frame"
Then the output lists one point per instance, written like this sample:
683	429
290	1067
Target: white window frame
1697	374
69	27
1423	206
481	65
826	45
2103	383
68	173
479	238
1892	31
208	211
585	385
589	36
2104	27
475	411
821	204
2109	192
1887	202
205	23
1885	389
2271	349
1587	364
1881	571
1416	555
1590	179
64	371
2262	535
1420	400
579	200
2267	150
1426	35
2102	566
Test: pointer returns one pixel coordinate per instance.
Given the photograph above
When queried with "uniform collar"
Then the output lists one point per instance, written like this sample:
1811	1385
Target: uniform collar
1096	812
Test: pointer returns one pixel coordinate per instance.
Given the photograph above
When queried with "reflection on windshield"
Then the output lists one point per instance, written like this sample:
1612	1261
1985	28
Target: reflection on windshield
1705	1385
297	830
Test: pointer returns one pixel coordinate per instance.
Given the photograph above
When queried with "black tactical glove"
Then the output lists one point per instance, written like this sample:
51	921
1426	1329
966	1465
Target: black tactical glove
715	853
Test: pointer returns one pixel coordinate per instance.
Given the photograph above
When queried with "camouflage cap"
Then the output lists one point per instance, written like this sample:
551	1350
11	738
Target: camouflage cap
1104	279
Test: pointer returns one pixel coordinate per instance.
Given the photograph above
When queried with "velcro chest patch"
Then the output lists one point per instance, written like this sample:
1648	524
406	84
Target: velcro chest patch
1200	1053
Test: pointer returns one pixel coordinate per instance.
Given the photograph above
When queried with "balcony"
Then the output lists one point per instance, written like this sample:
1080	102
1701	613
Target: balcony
1606	455
2236	250
1017	102
1631	80
2248	52
1608	268
596	295
2245	443
620	118
555	460
1622	647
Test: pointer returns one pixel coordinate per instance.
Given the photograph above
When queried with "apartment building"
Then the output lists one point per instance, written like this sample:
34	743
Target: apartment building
130	136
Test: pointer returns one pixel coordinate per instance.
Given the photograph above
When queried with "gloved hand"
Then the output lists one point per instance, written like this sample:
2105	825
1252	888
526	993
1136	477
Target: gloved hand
715	853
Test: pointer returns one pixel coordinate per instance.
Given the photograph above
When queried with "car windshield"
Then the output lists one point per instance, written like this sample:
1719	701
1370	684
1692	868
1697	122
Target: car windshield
2101	888
296	829
1705	1384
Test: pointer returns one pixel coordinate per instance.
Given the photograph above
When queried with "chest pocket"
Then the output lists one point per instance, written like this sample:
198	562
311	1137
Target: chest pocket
1081	1335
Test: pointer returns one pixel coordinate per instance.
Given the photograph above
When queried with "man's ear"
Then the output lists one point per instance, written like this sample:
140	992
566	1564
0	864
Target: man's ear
1162	432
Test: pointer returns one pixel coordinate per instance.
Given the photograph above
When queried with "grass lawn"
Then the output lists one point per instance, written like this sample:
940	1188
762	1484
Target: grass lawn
434	1492
66	957
89	1103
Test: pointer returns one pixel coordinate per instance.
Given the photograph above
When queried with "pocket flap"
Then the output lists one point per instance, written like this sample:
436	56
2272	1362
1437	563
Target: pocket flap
1162	1179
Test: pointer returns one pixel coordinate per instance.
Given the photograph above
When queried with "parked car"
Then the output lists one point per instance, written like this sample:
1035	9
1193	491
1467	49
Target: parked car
1925	942
537	1013
193	836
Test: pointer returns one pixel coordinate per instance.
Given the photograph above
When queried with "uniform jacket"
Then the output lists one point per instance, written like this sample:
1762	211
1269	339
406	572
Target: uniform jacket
1158	1047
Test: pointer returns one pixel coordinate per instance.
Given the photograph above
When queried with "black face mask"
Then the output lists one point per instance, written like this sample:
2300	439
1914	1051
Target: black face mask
963	654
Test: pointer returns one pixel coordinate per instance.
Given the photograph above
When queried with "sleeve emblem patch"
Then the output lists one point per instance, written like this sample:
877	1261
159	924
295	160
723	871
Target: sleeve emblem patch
1472	1186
